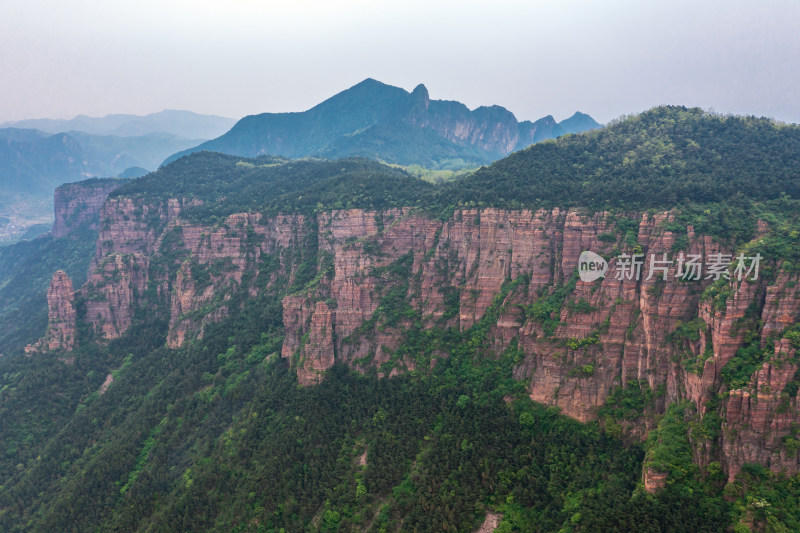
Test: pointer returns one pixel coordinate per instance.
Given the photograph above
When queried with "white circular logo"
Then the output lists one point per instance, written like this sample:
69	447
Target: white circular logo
591	266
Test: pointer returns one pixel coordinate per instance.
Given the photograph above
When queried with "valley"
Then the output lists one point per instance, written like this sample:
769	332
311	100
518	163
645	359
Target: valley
269	343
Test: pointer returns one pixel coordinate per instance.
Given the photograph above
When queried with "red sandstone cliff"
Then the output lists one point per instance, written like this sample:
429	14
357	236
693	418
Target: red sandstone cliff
61	328
78	204
610	333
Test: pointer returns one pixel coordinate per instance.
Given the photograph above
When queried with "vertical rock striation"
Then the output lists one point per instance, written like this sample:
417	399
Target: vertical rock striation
381	273
77	205
61	323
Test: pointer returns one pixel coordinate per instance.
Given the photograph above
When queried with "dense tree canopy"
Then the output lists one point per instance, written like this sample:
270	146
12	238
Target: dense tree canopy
218	436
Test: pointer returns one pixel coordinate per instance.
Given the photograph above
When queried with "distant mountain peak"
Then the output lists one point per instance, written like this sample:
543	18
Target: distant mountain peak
369	84
421	92
579	122
381	121
369	81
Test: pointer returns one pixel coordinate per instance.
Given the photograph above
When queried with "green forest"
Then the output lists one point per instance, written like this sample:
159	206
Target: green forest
663	158
218	436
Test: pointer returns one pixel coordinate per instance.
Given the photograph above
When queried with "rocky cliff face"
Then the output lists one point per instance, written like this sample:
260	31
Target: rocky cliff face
381	274
193	269
759	420
760	423
482	134
128	236
492	129
61	326
669	336
77	205
217	260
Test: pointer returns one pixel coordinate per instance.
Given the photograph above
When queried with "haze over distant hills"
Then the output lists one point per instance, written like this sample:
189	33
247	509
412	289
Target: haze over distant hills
179	123
38	155
370	119
35	162
375	120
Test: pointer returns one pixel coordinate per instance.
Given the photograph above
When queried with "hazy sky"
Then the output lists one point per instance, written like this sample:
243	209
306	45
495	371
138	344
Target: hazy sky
238	57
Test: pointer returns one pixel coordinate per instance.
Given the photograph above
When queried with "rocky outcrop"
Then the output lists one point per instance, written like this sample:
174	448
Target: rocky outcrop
490	523
474	253
112	291
106	384
61	323
130	235
217	259
760	421
653	480
781	305
193	269
493	129
313	353
77	205
609	334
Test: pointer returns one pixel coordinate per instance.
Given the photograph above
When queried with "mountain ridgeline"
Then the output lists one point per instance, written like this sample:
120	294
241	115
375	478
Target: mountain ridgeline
173	122
33	162
268	344
379	121
36	156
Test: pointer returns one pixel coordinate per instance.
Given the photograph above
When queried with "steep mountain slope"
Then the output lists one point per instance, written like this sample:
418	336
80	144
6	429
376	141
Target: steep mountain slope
377	120
662	158
26	267
437	332
178	123
34	162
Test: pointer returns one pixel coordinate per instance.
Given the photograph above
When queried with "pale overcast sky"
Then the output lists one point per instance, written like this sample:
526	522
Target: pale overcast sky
238	57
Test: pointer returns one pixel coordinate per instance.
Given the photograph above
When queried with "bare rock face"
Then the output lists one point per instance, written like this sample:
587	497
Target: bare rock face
490	523
134	226
129	236
111	292
760	419
78	204
220	256
611	333
314	352
375	266
61	313
653	480
781	305
209	261
61	328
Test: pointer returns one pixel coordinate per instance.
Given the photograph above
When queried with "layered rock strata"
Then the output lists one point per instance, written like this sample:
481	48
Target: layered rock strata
380	273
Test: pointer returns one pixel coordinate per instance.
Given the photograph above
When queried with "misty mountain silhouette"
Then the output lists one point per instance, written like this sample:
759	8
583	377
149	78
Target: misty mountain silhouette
379	121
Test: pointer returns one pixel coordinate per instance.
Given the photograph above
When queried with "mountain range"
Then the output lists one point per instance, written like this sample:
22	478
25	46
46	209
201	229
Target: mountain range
38	155
34	162
266	344
371	119
176	122
387	123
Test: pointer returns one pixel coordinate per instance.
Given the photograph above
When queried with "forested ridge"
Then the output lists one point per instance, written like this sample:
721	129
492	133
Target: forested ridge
217	435
662	158
722	173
